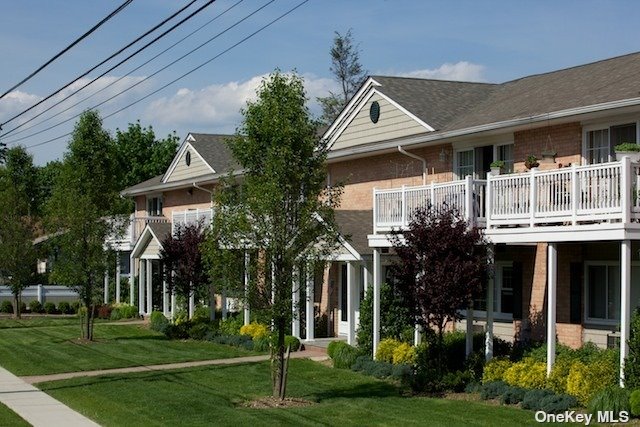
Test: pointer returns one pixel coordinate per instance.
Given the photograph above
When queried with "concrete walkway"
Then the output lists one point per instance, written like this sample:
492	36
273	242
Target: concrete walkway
35	406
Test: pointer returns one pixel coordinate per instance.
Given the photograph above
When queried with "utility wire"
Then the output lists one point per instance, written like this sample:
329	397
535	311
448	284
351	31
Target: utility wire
66	49
151	42
119	51
152	74
187	73
112	83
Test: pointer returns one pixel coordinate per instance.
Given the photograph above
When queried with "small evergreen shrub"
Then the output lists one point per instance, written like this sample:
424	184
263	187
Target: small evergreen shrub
201	314
231	325
158	322
344	355
75	307
402	373
176	331
613	398
533	398
128	311
493	390
261	344
115	314
244	341
198	331
473	387
557	403
65	308
373	368
331	348
634	403
456	381
404	354
385	350
6	307
632	365
495	369
512	395
49	308
35	306
292	342
254	330
527	373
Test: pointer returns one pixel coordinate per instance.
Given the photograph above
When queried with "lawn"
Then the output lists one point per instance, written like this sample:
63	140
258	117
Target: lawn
26	349
216	396
9	418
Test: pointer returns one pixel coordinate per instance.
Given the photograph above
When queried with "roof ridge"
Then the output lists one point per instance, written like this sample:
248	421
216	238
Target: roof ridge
433	80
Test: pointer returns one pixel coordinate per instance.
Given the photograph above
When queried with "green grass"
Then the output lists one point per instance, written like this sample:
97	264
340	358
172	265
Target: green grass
215	396
53	349
10	418
27	321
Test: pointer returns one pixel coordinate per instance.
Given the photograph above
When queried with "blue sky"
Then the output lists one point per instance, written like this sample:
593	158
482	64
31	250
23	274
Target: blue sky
491	41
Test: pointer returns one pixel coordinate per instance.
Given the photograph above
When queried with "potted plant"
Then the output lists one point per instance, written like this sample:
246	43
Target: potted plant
496	167
628	149
531	162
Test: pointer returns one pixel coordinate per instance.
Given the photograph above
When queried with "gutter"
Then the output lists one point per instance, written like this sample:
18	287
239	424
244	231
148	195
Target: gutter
414	156
202	188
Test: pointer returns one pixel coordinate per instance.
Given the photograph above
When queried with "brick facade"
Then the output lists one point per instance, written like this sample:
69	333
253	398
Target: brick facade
565	140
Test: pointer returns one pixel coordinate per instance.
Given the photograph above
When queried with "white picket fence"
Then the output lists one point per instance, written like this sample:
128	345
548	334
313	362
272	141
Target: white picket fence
42	293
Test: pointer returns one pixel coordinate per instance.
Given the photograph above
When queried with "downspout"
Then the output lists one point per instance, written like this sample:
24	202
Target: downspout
202	188
424	163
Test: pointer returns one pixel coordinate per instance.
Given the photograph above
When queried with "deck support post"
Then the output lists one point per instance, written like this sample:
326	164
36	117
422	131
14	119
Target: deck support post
552	282
377	273
625	303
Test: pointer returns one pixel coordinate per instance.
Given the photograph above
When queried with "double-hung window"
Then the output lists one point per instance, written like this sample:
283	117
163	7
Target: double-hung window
464	163
154	206
603	291
600	143
505	153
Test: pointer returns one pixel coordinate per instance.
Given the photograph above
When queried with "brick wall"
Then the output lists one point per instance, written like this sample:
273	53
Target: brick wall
565	139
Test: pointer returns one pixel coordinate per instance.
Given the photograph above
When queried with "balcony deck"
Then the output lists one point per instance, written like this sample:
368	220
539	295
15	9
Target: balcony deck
601	199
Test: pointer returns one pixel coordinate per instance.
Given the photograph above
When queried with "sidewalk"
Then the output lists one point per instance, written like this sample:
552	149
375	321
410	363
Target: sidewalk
35	406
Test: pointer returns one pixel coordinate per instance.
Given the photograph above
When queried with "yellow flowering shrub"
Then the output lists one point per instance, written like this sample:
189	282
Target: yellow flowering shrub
528	373
586	380
385	350
494	370
404	353
557	380
255	330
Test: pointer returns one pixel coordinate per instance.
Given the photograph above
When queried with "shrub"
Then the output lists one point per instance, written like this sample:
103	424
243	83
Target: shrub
634	403
49	308
632	365
456	381
64	307
526	374
557	380
104	312
6	307
292	342
158	323
494	370
533	398
585	381
75	307
201	315
373	368
115	313
231	325
557	403
473	387
331	348
128	311
254	330
404	354
402	373
35	306
175	331
199	331
385	350
493	390
244	341
261	344
611	398
513	395
344	355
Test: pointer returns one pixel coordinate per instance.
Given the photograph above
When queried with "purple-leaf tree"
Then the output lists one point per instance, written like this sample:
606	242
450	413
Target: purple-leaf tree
182	260
441	268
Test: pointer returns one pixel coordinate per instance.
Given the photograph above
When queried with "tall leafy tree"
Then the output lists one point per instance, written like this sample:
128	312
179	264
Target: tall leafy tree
141	155
276	208
81	210
348	72
23	176
442	264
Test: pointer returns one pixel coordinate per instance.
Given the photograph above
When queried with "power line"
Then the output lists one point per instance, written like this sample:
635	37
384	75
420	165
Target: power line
66	49
119	51
151	42
151	75
110	84
189	72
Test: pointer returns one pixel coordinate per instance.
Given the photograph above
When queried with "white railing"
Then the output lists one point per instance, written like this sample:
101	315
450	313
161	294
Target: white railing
568	196
190	217
394	208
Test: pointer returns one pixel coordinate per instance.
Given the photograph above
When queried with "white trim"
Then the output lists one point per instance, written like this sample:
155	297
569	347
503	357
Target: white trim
607	125
347	110
585	288
174	163
134	251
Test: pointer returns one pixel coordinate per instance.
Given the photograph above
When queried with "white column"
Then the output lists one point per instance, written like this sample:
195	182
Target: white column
142	280
165	298
192	305
552	281
469	334
377	273
368	278
417	335
295	303
351	312
488	342
247	313
223	302
173	304
106	286
149	287
118	277
40	293
310	336
132	275
625	303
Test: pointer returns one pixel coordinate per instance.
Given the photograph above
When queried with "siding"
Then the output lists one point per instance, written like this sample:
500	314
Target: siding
393	123
152	249
197	168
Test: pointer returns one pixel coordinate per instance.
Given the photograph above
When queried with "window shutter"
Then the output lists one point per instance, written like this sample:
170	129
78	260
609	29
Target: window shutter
575	298
517	290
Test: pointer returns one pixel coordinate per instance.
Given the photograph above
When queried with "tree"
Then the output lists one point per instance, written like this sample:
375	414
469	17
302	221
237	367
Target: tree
281	208
81	210
140	155
442	264
182	260
3	151
17	253
23	176
348	72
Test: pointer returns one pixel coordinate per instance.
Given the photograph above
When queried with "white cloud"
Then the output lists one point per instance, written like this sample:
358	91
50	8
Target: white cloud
217	107
462	71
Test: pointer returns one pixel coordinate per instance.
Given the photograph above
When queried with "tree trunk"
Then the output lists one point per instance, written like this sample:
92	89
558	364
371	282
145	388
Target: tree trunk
278	362
16	307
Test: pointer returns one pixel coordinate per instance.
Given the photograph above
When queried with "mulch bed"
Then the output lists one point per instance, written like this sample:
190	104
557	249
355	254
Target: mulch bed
272	402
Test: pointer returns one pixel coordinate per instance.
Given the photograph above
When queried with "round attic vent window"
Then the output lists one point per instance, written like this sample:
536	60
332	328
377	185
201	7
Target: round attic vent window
187	158
374	112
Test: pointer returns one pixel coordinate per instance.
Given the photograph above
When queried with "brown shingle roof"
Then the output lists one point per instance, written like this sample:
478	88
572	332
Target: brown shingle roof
355	225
